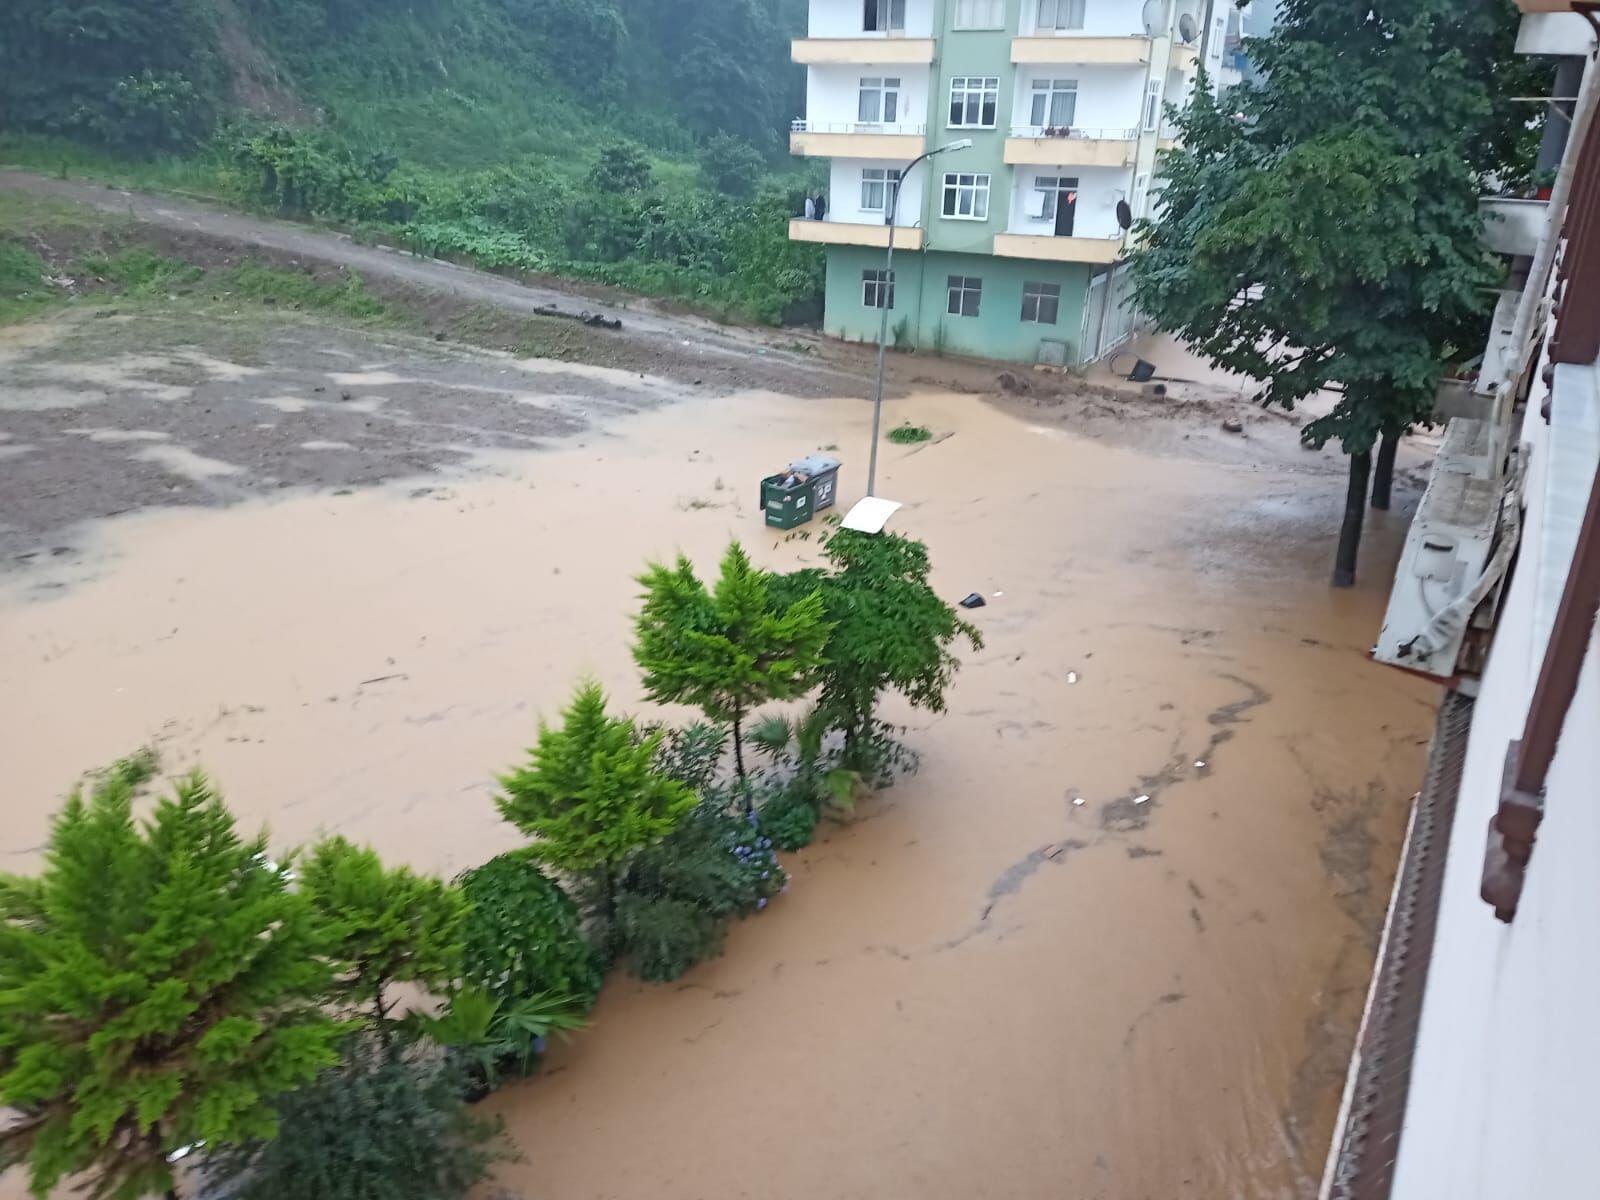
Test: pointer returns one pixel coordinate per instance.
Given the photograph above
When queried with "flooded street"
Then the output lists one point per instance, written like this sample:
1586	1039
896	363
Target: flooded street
980	987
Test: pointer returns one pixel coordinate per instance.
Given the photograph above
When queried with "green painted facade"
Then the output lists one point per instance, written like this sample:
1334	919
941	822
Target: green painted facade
919	316
960	247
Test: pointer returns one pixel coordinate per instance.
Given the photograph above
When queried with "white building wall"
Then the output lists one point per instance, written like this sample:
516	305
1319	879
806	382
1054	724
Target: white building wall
1506	1081
1109	97
843	19
1101	18
1099	189
844	193
833	95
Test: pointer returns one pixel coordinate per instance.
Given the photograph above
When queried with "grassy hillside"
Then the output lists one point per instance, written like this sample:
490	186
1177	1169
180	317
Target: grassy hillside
638	142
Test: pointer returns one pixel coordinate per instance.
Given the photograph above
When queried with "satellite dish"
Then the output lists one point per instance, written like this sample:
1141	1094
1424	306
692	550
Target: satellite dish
1157	15
1188	29
1124	215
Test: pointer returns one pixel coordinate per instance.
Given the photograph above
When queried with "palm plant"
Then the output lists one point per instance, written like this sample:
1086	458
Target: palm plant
488	1035
799	748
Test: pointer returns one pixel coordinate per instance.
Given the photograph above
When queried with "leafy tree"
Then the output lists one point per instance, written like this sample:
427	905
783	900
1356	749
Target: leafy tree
386	925
377	1126
523	934
622	168
729	651
487	1034
731	165
799	749
590	795
159	987
1329	237
890	632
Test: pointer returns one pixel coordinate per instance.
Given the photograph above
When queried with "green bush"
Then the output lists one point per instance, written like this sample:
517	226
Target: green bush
523	934
23	286
789	819
374	1127
909	434
302	290
723	865
663	937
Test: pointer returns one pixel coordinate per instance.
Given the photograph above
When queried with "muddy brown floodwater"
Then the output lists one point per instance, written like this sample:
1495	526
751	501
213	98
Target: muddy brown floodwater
979	988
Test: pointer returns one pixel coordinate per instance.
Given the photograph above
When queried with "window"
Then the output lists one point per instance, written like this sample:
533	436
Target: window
877	289
883	16
966	197
878	185
973	101
980	14
1055	103
1152	105
1141	186
1061	14
1041	303
966	291
879	102
1049	189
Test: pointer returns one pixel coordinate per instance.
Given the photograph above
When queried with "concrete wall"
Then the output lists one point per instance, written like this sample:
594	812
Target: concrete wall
1109	97
921	294
1101	18
833	93
1506	1081
1099	189
844	194
843	19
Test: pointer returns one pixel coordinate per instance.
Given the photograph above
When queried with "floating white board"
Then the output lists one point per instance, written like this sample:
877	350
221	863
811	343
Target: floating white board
871	515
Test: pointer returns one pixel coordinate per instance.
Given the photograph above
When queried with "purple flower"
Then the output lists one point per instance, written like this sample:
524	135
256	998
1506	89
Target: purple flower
539	1044
761	903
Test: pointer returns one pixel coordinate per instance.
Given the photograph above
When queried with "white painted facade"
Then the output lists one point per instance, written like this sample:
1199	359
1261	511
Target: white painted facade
844	19
834	101
845	194
1506	1080
1108	99
1101	18
1098	188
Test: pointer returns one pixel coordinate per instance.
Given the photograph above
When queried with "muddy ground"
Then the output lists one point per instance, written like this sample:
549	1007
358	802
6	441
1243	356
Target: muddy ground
1111	942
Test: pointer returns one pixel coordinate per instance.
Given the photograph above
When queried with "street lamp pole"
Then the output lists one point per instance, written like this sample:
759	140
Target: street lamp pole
884	292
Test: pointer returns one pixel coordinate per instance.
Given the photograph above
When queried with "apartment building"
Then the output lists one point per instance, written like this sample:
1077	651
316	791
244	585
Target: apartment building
1009	248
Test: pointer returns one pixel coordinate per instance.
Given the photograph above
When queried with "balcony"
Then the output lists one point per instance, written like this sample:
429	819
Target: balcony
1075	51
1185	56
819	51
1056	249
855	233
843	139
1052	146
1513	226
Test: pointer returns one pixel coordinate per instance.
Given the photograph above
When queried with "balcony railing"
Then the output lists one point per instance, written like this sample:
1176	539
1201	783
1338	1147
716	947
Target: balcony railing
1129	134
802	125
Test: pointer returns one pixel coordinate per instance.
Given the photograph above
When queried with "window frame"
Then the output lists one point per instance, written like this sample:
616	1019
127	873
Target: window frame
1045	91
1052	186
1075	12
962	92
981	14
1040	294
959	290
950	205
1152	105
887	178
887	16
882	88
876	284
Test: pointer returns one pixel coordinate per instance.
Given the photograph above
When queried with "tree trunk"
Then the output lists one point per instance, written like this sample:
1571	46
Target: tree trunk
381	1013
738	744
1355	506
1383	470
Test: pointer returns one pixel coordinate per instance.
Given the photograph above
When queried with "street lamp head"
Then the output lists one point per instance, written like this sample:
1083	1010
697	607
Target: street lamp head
963	144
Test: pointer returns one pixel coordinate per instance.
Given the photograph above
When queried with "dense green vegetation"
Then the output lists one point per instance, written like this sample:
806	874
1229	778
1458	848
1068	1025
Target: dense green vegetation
469	128
167	988
1330	239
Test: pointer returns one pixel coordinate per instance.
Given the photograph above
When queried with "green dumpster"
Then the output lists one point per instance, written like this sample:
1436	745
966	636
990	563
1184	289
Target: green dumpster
790	497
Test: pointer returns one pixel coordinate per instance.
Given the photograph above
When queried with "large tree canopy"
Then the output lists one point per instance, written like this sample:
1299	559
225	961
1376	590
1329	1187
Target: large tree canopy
1323	233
